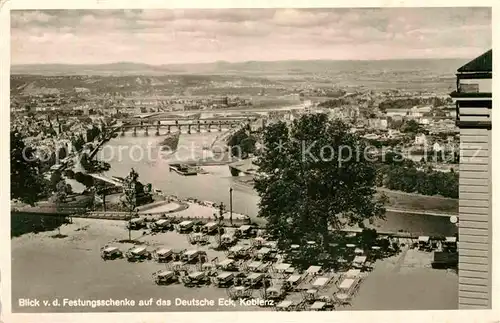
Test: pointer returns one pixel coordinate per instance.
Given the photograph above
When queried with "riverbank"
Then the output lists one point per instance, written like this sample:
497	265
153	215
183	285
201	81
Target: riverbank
397	201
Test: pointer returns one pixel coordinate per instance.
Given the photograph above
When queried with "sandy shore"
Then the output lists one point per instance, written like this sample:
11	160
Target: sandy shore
46	268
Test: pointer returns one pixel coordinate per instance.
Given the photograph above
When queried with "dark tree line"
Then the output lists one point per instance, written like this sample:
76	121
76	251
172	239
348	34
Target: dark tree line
27	183
333	103
242	143
413	127
411	102
400	174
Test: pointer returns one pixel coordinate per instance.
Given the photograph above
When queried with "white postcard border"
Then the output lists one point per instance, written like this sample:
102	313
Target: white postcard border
208	317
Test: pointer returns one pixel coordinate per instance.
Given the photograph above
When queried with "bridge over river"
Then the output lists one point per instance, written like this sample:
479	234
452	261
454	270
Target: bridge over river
178	125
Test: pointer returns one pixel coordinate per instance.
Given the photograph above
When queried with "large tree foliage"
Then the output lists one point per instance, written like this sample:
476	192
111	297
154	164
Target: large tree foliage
314	180
242	143
26	181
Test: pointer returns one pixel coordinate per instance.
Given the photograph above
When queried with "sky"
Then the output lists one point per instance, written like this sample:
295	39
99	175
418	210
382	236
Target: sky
198	36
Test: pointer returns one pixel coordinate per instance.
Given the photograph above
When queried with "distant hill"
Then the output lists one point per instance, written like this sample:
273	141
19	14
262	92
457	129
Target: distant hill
291	67
126	68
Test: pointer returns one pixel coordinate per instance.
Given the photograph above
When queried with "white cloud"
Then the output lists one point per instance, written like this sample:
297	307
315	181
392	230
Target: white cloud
160	36
297	18
155	15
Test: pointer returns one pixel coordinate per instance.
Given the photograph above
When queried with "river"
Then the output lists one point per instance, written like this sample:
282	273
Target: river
124	152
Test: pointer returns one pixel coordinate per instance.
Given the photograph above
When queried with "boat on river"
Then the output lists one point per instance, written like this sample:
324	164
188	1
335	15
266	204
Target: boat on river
183	169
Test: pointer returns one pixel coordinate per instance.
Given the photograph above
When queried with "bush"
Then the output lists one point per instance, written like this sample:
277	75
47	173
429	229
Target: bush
408	178
69	173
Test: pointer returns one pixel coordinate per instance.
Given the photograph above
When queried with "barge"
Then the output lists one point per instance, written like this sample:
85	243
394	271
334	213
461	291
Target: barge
183	169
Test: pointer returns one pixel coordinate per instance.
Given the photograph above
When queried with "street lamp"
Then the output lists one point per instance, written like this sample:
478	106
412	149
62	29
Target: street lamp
220	219
454	220
231	205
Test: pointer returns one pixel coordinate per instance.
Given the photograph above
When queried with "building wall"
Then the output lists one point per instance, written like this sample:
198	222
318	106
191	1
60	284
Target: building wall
476	85
475	111
475	219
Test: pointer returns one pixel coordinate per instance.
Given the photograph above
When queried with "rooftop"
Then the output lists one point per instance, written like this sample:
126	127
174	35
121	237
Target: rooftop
482	63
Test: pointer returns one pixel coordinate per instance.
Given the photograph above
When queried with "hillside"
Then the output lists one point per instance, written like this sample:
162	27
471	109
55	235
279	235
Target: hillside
436	66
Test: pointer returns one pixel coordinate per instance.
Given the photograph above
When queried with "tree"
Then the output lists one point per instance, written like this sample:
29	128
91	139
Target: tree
242	144
69	173
61	194
27	183
310	188
55	178
85	162
411	126
79	177
84	179
61	153
101	189
78	142
88	181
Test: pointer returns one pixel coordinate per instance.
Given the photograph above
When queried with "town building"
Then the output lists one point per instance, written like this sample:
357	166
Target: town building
378	123
414	113
473	104
420	139
424	121
437	146
223	100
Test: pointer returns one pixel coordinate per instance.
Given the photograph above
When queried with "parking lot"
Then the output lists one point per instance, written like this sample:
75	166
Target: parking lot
78	272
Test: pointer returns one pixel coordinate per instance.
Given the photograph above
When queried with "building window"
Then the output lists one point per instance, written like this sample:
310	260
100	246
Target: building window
468	88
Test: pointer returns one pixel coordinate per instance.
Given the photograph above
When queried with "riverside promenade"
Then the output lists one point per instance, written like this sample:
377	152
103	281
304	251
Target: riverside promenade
178	210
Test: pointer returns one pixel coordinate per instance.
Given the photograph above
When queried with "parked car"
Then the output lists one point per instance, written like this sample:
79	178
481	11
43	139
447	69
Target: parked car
194	256
196	279
136	224
211	228
161	225
138	254
185	226
224	279
163	255
247	231
110	253
164	277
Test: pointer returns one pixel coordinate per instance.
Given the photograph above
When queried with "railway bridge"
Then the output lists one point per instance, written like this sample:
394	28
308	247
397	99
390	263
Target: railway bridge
191	125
